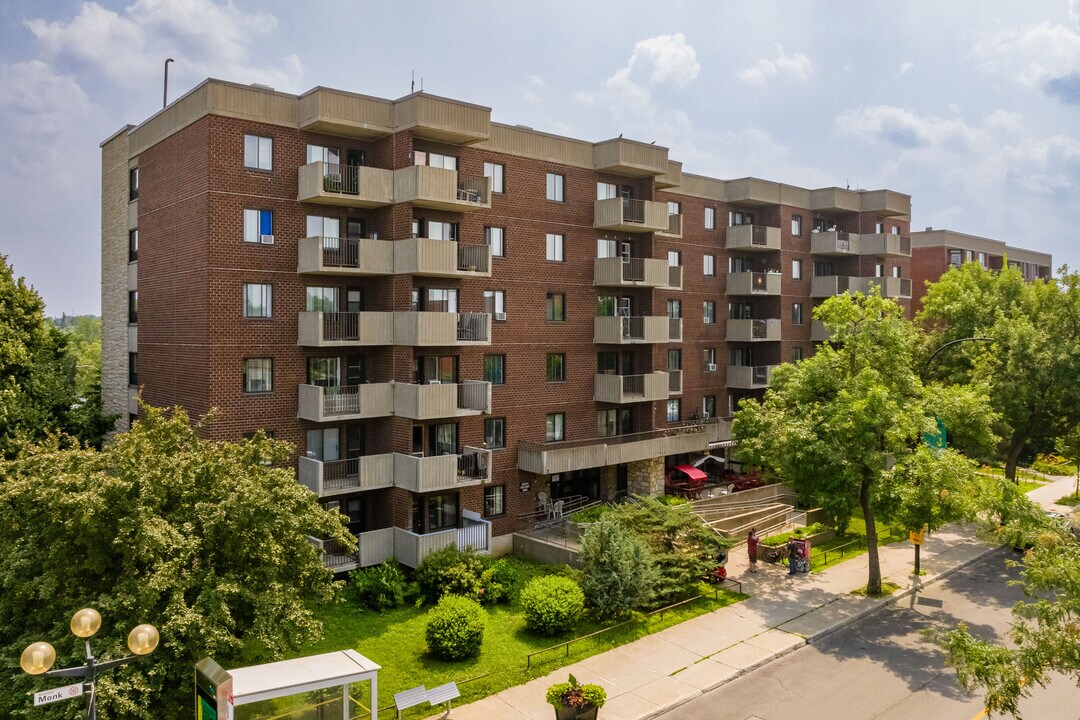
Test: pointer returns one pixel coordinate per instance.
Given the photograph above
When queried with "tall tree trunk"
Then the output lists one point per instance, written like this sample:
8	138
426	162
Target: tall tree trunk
873	582
1016	444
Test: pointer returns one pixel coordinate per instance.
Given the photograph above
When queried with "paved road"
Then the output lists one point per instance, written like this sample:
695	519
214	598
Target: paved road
881	667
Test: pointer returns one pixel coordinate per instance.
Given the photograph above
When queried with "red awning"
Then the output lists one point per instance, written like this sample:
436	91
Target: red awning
692	472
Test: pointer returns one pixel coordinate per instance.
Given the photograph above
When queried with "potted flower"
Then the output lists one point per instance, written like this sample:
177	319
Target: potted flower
573	701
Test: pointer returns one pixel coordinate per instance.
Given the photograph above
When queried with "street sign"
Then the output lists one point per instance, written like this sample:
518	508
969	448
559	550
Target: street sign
915	537
61	693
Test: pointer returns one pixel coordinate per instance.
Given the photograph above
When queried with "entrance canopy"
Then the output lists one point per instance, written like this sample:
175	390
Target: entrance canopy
706	458
691	472
300	675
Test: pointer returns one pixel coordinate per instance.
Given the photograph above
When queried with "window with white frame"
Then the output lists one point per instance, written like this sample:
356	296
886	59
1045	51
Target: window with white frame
495	432
494	301
555	187
896	271
708	312
738	217
605	190
674	258
494	499
321	299
258	152
796	269
555	247
446	162
796	313
496	172
556	427
258	375
708	265
317	153
674	408
709	359
710	218
258	226
879	227
325	227
796	354
796	225
674	208
606	248
708	406
496	238
257	300
879	269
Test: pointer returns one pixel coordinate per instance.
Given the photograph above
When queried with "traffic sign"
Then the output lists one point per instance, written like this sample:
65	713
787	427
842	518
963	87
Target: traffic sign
62	693
915	536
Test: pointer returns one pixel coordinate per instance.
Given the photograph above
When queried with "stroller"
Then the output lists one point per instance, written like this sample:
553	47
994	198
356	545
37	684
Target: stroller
719	573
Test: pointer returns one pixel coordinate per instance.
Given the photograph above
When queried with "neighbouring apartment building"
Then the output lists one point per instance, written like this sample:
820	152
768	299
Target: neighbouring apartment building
451	319
935	251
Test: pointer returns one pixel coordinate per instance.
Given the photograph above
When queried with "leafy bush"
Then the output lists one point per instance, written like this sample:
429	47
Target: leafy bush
450	571
455	628
672	500
552	604
617	569
572	694
590	514
379	588
1050	464
782	538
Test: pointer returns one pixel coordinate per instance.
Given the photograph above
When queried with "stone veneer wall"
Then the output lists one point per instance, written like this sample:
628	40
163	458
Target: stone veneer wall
114	278
646	477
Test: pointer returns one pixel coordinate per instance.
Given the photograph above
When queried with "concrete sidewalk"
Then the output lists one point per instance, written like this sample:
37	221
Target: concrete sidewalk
661	671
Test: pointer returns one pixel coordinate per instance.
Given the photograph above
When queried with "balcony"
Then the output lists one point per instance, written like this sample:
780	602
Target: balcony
632	272
629	215
345	402
441	258
441	189
885	245
753	283
631	388
559	457
749	377
746	330
752	237
834	243
344	329
674	382
830	285
674	228
441	329
348	185
621	330
373	548
818	331
630	157
345	256
441	400
337	477
421	474
411	548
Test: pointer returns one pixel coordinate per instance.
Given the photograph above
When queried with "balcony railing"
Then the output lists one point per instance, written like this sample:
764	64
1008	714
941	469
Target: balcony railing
430	328
675	277
752	237
435	400
473	327
356	186
630	215
753	283
622	330
630	272
441	189
345	402
442	472
749	377
832	242
818	331
885	245
675	329
371	472
674	228
441	258
565	456
340	329
631	388
750	330
345	256
829	285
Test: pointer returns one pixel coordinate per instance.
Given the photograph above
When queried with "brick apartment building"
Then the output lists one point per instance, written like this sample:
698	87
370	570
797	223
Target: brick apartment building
450	318
935	251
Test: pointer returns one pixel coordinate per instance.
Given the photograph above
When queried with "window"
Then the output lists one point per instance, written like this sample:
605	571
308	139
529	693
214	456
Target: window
879	269
432	513
257	300
496	238
259	226
496	172
133	245
435	299
133	306
895	230
554	247
708	406
556	367
896	271
495	432
317	153
438	230
710	218
955	257
674	258
674	359
796	313
321	299
796	354
555	187
133	368
133	184
258	375
710	359
674	309
494	500
317	226
446	162
879	227
674	208
982	259
495	301
796	225
708	312
605	191
556	427
737	217
674	407
796	269
258	152
605	248
708	264
556	307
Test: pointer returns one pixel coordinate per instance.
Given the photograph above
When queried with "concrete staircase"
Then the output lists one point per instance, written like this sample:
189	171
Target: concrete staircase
769	509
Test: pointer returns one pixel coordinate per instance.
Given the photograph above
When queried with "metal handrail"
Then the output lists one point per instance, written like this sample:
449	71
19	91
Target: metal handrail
685	429
341	178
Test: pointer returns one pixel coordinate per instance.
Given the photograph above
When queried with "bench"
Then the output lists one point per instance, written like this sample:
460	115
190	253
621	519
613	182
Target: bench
444	694
410	698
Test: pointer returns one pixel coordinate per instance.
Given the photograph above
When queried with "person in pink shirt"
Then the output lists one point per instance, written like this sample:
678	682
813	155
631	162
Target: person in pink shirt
751	548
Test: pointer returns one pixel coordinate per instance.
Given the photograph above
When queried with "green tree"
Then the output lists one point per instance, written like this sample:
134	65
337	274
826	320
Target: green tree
617	569
206	540
1068	446
846	425
1033	362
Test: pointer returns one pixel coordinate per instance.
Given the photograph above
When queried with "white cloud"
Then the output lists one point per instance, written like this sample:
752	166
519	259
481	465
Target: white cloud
664	58
1046	56
796	67
205	38
1074	10
536	81
904	67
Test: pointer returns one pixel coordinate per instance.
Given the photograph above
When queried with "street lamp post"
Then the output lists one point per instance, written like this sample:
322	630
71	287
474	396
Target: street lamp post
38	658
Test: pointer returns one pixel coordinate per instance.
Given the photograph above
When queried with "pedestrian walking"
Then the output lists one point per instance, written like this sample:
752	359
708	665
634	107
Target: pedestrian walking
751	548
794	552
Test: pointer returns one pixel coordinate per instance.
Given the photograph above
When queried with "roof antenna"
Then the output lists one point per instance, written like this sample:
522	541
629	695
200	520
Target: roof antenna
412	85
421	83
848	181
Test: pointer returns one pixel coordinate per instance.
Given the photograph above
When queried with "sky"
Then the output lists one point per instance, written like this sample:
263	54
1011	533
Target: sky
970	106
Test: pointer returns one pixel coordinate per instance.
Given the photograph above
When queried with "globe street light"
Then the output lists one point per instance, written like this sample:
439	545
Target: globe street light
38	658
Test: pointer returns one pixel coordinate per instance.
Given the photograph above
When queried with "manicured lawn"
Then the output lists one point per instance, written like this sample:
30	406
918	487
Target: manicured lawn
856	530
1073	499
887	588
1022	474
395	640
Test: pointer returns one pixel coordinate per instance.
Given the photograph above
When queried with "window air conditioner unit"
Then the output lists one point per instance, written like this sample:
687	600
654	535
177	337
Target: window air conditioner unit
500	316
333	505
266	239
710	367
434	382
418	454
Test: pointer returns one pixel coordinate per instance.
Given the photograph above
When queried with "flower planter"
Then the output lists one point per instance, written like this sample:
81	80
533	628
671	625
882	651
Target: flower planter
573	713
815	539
